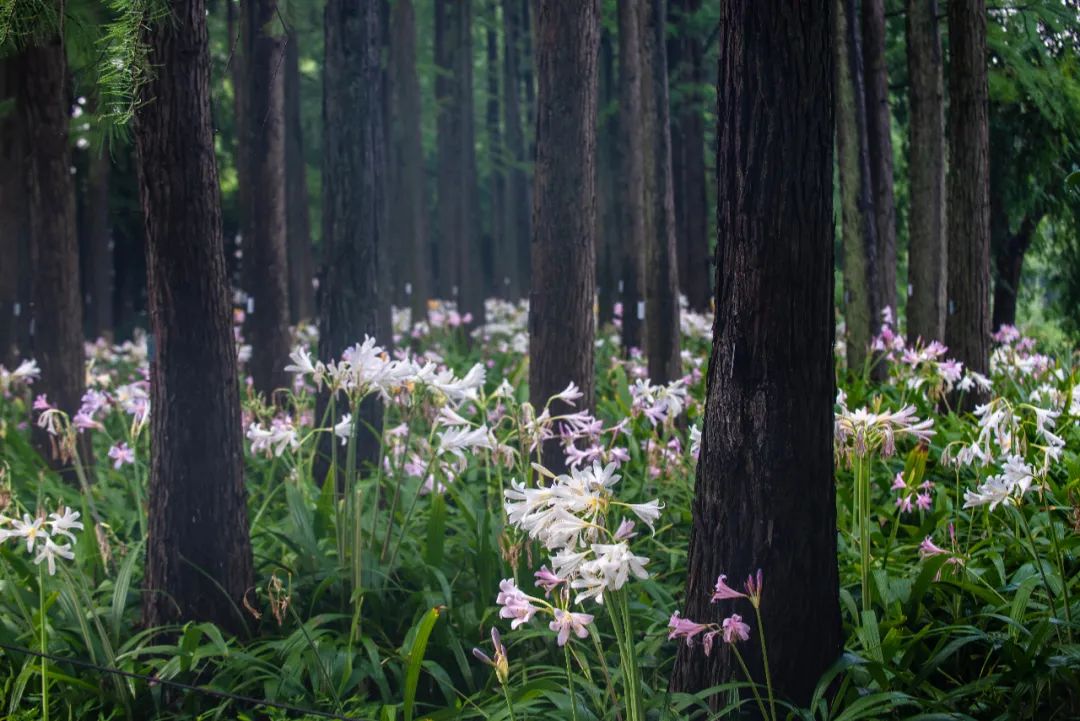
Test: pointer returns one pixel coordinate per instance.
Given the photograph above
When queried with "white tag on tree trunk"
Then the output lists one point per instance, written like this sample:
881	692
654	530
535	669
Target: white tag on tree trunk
250	305
408	289
18	309
620	286
952	306
910	290
641	310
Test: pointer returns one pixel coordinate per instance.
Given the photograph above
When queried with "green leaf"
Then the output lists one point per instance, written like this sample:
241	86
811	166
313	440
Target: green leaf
416	658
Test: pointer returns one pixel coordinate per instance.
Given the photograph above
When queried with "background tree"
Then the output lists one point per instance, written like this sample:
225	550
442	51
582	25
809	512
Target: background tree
561	324
14	240
632	181
354	304
301	264
267	254
518	212
927	249
765	495
198	554
967	324
44	99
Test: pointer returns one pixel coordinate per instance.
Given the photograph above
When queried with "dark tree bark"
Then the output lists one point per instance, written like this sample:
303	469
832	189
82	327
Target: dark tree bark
765	495
97	277
129	255
516	224
198	555
561	323
268	279
57	334
967	324
661	275
240	49
504	254
1009	262
861	300
879	139
301	265
608	236
632	180
354	171
409	213
927	249
14	239
446	158
688	162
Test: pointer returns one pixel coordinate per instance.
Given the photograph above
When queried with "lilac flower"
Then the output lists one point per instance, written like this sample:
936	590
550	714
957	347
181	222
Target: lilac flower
734	629
724	591
41	403
501	663
754	586
515	604
547	580
565	622
121	454
679	627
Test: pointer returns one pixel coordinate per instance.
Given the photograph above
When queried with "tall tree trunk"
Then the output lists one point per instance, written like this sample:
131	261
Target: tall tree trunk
98	278
240	50
561	323
1009	263
516	225
632	182
268	277
198	555
608	251
688	162
14	239
57	334
354	171
474	278
967	325
410	208
446	159
504	254
765	497
301	265
879	138
662	274
861	304
927	249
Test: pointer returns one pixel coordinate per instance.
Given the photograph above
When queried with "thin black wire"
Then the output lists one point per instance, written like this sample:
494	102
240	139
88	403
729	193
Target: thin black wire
250	700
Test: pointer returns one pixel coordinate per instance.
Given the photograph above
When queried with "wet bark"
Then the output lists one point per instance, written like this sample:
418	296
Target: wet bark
15	238
608	237
97	278
632	180
518	213
765	496
504	255
198	555
301	264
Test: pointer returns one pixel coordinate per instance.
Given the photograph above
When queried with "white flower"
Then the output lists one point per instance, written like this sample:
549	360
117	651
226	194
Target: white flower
457	440
343	429
64	523
647	512
1017	474
279	436
50	552
994	491
32	529
568	395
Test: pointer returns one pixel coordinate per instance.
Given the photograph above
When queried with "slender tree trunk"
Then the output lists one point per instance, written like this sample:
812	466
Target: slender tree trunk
98	279
447	160
301	265
608	236
269	280
632	182
967	324
505	254
412	218
561	321
861	303
198	555
1009	262
239	56
57	332
927	249
516	225
354	171
662	275
765	496
14	238
688	163
879	138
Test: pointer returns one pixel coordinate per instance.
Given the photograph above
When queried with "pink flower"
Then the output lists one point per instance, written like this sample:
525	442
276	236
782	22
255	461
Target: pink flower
904	503
515	604
928	548
734	629
625	530
754	584
923	501
41	403
565	622
547	580
684	628
121	454
708	641
898	483
724	591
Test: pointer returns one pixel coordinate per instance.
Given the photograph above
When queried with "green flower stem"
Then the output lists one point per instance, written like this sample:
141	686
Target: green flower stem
44	646
570	681
765	661
753	686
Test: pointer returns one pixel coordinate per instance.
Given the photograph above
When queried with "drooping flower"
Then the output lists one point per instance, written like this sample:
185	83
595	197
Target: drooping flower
64	522
50	551
724	591
734	629
679	627
121	453
515	604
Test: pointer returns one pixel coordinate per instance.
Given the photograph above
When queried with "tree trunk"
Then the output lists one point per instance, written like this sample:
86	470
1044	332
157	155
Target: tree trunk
1009	262
504	254
301	265
446	160
561	322
354	171
662	274
765	496
879	138
608	235
516	225
632	182
98	278
198	555
268	325
410	208
14	239
967	325
688	163
927	250
861	305
57	331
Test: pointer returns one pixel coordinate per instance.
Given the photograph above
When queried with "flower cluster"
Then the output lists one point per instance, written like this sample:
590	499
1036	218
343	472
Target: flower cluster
22	377
47	539
862	432
732	629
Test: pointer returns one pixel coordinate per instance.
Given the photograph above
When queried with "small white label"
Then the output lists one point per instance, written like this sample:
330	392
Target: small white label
408	289
18	309
641	310
910	290
32	326
620	286
250	305
454	291
952	307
